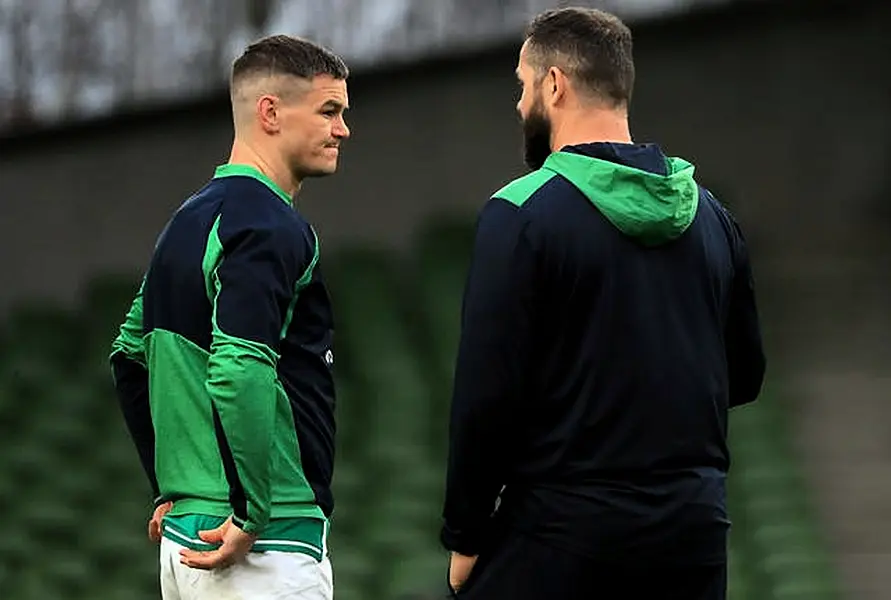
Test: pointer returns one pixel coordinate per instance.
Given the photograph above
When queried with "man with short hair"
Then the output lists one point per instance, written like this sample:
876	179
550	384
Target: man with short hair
609	324
223	366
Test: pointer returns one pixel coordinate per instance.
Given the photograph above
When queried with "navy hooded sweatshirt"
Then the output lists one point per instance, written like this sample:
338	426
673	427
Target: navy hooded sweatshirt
609	324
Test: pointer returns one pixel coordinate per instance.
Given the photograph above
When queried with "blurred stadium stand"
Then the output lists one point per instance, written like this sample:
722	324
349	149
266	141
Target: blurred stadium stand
784	108
72	60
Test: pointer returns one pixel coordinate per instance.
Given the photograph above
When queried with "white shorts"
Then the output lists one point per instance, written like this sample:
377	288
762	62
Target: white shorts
260	576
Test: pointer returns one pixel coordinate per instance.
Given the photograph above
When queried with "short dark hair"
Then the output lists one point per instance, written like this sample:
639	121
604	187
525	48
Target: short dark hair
286	55
592	47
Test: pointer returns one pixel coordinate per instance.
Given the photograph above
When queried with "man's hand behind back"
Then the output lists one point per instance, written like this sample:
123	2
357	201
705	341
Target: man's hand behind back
234	545
154	525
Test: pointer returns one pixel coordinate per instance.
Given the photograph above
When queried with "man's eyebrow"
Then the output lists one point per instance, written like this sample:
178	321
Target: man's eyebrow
335	104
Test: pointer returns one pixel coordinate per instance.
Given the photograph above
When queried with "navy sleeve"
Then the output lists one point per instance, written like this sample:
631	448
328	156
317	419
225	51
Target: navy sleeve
130	378
745	352
131	385
494	357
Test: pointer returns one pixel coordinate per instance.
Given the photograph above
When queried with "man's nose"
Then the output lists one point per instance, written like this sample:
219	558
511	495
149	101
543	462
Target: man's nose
341	130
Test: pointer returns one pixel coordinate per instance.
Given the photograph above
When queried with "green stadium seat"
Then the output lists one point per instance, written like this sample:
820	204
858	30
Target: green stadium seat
33	584
421	570
737	578
352	564
72	572
780	536
397	338
106	301
15	543
49	333
29	463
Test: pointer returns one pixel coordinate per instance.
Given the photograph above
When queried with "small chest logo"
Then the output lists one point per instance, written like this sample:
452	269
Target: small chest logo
329	358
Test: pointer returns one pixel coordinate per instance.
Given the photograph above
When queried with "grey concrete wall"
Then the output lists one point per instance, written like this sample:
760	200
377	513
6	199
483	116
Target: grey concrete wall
785	116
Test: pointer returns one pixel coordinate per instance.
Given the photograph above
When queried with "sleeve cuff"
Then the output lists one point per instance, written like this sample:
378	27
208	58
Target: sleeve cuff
461	542
246	526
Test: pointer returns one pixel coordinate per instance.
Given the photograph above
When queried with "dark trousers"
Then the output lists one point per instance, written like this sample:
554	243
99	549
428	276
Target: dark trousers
522	568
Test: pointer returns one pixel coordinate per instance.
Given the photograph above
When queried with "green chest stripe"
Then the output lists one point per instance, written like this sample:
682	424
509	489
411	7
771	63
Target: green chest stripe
298	287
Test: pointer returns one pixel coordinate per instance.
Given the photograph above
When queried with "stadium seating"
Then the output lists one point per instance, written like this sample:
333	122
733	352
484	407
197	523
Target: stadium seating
76	502
781	536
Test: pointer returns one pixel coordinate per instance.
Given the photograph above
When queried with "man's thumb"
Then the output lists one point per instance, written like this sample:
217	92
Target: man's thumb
212	536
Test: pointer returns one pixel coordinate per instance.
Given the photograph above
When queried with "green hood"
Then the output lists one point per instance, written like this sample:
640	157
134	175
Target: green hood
649	207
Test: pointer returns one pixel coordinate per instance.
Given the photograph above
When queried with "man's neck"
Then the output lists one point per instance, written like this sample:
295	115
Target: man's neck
245	154
585	127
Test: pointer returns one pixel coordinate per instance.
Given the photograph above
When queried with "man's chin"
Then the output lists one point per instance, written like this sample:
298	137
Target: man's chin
320	171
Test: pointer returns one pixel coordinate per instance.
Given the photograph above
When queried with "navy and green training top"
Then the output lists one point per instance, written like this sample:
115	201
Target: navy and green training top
223	368
609	323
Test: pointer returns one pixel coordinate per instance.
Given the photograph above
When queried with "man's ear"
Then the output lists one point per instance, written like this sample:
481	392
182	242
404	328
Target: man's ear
555	85
267	113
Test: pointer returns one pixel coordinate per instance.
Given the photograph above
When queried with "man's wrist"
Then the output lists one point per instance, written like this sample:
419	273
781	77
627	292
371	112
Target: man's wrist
246	526
459	542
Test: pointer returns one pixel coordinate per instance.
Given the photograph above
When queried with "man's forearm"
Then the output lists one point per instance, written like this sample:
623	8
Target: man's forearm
480	433
471	494
131	386
491	373
242	385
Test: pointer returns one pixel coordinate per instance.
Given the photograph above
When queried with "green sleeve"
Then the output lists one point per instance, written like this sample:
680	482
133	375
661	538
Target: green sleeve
251	275
129	340
241	381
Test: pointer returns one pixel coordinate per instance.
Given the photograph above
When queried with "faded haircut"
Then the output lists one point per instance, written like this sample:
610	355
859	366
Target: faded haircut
282	55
